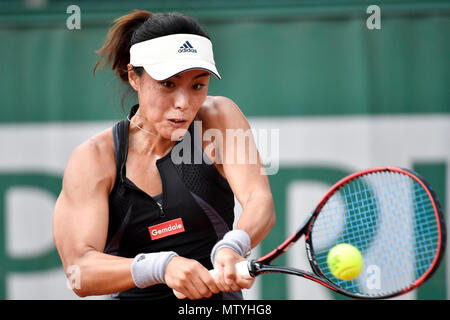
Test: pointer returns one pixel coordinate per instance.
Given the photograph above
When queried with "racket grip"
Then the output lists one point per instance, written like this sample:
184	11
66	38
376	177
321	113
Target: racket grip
241	269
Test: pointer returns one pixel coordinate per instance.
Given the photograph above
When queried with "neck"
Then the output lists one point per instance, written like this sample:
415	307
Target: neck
146	141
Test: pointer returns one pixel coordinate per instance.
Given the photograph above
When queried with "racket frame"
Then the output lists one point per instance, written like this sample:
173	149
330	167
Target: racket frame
263	264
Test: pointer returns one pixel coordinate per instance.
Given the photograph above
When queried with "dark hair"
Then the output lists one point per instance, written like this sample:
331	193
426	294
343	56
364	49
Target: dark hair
139	26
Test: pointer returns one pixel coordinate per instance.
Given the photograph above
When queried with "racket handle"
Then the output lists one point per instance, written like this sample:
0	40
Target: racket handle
241	269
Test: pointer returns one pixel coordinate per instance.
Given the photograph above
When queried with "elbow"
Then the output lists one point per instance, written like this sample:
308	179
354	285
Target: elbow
74	281
80	293
86	289
83	293
79	278
82	288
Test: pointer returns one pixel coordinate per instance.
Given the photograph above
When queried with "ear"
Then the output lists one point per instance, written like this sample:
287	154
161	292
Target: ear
133	78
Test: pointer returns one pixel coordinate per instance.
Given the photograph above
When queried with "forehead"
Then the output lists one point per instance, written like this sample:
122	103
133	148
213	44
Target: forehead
191	74
188	75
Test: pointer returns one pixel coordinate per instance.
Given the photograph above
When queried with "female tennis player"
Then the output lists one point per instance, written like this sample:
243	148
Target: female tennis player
137	222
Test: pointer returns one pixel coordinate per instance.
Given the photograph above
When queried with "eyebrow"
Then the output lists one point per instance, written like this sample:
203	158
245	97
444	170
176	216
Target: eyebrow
202	75
205	74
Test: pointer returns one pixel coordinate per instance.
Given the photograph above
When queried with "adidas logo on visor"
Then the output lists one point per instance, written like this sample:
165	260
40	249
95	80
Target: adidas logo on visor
187	47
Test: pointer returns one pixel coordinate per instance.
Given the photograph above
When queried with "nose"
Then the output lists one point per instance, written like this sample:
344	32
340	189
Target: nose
181	100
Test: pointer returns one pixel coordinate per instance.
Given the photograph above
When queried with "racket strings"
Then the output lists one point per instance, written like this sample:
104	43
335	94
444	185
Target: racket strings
427	233
390	218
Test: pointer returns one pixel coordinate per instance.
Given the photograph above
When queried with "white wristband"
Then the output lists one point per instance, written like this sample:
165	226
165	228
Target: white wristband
236	240
148	269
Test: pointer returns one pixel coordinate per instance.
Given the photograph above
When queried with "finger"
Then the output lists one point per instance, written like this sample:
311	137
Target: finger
229	271
210	282
192	290
187	285
220	281
205	283
195	290
244	283
238	281
218	278
186	291
235	287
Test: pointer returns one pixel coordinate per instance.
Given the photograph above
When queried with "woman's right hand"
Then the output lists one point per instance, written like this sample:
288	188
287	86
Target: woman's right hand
190	278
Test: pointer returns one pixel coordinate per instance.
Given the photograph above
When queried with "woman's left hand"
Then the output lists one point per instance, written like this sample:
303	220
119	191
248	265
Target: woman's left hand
227	279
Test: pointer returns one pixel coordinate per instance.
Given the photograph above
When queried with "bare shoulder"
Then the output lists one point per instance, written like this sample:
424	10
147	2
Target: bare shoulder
92	163
219	111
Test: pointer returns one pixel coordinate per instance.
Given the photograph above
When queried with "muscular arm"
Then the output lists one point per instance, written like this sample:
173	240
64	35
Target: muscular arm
80	228
80	223
242	167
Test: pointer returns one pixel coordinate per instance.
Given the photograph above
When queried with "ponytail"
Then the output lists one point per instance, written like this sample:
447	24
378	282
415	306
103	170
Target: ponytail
138	26
116	49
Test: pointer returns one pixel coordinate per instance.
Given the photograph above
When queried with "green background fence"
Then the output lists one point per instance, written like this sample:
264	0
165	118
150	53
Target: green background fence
311	61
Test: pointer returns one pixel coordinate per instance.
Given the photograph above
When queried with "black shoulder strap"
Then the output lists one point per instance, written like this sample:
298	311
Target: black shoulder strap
120	137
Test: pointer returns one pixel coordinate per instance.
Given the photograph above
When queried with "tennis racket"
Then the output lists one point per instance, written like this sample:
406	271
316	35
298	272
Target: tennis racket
391	215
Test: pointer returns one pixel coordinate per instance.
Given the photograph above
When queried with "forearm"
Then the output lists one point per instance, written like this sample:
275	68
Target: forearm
99	273
256	221
257	217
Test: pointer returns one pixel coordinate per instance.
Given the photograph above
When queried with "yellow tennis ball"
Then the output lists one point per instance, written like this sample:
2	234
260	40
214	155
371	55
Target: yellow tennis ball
345	261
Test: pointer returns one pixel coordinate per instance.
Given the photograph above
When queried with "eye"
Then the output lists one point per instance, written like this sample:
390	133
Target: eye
198	86
167	84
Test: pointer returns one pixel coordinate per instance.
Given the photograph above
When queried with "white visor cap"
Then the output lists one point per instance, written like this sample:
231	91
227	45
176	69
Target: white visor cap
167	56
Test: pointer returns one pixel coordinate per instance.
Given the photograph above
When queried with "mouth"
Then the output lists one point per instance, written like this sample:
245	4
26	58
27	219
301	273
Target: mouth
177	122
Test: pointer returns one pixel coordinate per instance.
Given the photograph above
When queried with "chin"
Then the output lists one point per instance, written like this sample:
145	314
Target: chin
175	134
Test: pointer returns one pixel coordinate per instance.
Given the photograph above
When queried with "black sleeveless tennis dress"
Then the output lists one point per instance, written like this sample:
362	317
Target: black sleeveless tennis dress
193	212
